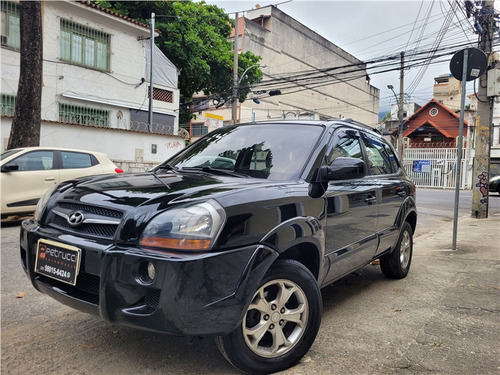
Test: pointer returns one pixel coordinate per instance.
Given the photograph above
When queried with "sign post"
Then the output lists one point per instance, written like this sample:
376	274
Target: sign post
466	65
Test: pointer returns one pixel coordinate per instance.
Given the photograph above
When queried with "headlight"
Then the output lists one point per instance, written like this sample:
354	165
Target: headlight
42	202
194	227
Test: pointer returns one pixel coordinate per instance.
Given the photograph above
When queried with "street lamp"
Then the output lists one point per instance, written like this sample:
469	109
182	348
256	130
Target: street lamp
236	88
400	119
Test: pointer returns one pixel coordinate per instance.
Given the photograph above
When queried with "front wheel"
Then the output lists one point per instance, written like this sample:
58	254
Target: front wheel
397	264
280	324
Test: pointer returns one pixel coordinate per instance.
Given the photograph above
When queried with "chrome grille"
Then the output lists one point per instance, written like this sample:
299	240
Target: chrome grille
57	219
91	209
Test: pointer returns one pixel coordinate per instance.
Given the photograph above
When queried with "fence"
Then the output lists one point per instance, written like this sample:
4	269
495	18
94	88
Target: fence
437	167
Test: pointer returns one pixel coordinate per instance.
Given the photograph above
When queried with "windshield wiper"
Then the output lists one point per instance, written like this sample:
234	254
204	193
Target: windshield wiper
166	166
220	171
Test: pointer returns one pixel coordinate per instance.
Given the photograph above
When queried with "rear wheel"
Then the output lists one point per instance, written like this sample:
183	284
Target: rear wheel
397	264
280	324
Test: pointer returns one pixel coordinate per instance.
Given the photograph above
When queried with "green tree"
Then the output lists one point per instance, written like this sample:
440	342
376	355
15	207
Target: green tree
386	116
194	36
25	129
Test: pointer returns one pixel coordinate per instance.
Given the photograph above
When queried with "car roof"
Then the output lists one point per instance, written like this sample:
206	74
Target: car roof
35	148
327	123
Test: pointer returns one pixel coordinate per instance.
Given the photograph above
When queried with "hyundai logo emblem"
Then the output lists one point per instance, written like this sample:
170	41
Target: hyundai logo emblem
76	218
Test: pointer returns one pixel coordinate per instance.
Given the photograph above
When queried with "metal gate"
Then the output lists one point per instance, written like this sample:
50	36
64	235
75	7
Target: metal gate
437	167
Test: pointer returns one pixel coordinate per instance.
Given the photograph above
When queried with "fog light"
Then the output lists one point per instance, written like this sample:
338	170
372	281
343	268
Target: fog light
146	273
151	271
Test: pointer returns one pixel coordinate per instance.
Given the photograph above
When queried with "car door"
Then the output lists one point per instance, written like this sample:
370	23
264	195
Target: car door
22	188
351	207
383	171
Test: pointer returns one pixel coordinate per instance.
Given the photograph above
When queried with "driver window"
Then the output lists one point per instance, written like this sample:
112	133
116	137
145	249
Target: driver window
347	146
35	161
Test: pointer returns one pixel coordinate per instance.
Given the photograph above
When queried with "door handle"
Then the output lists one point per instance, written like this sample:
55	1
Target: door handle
50	178
400	192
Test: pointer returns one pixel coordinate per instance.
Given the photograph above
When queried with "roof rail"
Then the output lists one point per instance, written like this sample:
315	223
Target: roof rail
354	122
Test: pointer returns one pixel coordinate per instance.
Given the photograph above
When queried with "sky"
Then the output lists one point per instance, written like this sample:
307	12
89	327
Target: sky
374	29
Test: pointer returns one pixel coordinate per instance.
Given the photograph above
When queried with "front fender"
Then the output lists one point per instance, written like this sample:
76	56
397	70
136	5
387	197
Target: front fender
294	232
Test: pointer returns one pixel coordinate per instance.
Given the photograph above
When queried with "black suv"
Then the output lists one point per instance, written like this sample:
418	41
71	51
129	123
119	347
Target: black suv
233	237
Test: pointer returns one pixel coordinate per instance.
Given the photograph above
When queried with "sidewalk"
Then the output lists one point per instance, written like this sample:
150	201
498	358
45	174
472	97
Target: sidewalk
465	325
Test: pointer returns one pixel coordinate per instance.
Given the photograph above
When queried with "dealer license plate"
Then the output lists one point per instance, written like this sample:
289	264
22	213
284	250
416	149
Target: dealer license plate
58	261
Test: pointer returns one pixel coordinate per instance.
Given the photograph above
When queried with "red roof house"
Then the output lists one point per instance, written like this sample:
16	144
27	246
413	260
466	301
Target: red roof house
433	126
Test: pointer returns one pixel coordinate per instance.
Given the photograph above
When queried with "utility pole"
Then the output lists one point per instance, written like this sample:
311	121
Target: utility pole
400	107
151	83
235	72
481	168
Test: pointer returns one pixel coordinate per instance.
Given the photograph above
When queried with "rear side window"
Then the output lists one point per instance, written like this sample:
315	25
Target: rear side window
71	160
381	158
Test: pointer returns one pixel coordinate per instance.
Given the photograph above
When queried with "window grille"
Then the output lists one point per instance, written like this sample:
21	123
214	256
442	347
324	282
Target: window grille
162	95
8	104
197	130
82	45
10	29
83	115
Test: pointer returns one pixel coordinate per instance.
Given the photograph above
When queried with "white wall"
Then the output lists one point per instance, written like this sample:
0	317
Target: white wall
131	150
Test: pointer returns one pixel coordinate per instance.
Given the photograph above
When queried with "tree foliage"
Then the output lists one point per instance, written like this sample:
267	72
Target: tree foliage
25	129
194	36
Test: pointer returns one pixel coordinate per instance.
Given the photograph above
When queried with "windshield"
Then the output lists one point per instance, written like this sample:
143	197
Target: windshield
7	153
271	151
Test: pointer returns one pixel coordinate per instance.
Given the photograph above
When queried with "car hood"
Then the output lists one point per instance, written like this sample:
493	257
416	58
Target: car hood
127	191
141	196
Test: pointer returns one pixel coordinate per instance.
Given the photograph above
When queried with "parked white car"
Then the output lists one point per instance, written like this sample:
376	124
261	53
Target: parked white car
27	173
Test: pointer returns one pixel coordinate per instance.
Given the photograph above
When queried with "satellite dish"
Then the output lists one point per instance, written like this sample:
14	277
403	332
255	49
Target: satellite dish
477	62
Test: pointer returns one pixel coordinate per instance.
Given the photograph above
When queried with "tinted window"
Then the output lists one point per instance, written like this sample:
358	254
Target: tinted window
347	145
35	161
381	159
75	160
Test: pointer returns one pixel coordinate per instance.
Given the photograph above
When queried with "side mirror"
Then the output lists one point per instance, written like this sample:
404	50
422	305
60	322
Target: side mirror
9	167
344	168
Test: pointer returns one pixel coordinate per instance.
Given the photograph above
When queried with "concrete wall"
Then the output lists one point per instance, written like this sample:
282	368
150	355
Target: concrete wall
447	90
286	46
132	151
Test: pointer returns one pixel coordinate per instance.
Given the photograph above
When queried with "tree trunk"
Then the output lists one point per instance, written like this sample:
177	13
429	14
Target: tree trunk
25	130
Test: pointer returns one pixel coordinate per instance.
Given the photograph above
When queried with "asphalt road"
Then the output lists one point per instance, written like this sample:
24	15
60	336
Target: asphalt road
437	206
371	325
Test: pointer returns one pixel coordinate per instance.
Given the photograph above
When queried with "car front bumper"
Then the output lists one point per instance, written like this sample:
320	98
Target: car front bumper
202	294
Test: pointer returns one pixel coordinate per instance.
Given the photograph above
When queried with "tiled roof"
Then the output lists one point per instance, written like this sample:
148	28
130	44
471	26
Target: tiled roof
111	13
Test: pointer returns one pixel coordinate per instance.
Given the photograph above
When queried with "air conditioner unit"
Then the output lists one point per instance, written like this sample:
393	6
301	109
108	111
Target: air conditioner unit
493	83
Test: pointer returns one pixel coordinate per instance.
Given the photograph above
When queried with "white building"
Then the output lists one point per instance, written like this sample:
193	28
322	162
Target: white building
95	92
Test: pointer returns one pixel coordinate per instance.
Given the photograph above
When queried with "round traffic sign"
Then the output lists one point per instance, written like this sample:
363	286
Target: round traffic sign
477	62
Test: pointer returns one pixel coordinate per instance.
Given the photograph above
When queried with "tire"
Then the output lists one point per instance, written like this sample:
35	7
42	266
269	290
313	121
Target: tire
278	328
396	264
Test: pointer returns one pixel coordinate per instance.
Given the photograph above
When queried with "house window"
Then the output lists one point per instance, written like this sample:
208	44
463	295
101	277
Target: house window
71	114
197	130
82	45
11	32
8	104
